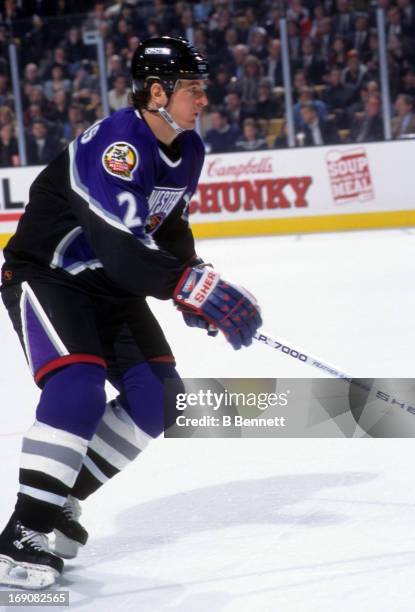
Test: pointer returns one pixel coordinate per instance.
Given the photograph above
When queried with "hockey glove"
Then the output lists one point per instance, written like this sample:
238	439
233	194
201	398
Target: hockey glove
192	319
225	306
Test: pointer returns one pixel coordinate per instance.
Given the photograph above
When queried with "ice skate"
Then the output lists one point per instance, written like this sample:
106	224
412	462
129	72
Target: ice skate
25	560
69	533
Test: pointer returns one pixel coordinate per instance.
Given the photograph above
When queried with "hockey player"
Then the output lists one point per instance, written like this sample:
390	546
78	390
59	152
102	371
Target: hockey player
106	226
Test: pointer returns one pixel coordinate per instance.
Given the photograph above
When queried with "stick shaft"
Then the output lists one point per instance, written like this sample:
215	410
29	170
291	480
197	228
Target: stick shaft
286	348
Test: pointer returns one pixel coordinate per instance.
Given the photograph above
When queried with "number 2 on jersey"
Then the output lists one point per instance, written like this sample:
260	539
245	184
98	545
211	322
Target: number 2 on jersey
131	218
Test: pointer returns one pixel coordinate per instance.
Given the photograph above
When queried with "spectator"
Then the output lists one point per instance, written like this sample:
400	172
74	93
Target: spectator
272	65
93	110
35	42
343	20
370	127
267	107
75	50
337	96
6	116
316	131
118	96
42	147
222	136
258	43
59	108
218	87
6	96
338	54
323	38
359	39
9	153
250	81
58	59
355	72
251	139
294	40
234	109
307	97
56	82
115	69
404	121
312	65
121	34
240	53
31	74
75	116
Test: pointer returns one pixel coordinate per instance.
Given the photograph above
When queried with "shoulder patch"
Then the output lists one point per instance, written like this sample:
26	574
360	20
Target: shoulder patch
120	159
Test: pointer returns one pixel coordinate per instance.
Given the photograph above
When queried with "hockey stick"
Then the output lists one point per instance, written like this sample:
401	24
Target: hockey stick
300	355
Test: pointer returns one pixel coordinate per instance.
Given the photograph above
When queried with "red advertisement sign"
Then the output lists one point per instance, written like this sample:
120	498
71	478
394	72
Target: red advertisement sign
349	174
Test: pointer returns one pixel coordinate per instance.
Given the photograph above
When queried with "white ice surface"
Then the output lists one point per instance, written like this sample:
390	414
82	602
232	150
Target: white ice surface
259	525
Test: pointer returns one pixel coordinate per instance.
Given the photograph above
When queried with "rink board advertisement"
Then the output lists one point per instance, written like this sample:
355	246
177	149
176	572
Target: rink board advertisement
279	192
290	408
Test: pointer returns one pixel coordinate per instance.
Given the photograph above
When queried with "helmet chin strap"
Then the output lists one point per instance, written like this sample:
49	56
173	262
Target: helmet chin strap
169	119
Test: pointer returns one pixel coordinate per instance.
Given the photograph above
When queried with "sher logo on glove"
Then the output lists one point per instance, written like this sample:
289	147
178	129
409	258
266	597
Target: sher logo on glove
206	299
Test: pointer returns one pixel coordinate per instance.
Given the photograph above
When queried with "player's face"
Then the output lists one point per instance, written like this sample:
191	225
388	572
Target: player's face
187	103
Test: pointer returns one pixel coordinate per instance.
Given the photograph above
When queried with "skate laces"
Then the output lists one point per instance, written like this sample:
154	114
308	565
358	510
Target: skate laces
72	508
36	540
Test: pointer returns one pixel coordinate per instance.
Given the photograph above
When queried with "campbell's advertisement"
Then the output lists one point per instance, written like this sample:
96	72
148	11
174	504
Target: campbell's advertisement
281	191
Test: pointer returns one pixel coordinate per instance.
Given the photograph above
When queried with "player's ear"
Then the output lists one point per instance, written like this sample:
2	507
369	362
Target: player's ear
158	95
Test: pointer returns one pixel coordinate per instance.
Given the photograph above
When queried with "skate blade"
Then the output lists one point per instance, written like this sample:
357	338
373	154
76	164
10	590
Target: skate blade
65	547
26	575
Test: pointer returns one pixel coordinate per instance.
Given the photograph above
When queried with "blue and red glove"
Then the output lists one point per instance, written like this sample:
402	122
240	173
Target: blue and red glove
231	309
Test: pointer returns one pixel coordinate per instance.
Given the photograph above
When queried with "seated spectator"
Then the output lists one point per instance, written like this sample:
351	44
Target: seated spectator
218	87
41	146
118	96
234	108
267	106
75	50
6	116
258	43
307	96
369	128
408	82
56	82
310	62
6	96
93	110
343	20
355	72
249	83
58	112
404	121
58	59
115	69
338	53
294	40
9	153
323	38
31	74
240	53
368	89
359	38
272	64
299	83
251	139
75	115
337	96
316	131
222	136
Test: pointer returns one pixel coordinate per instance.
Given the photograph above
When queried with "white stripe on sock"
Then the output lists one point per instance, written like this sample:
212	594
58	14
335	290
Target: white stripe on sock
46	496
48	466
95	471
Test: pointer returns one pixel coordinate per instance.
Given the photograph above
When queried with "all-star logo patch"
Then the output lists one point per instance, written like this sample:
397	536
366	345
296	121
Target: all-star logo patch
120	159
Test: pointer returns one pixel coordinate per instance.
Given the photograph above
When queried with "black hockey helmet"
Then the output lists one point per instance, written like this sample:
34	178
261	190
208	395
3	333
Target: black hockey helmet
168	59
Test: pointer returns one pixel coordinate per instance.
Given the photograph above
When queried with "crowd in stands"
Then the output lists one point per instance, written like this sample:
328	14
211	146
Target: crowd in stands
334	55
